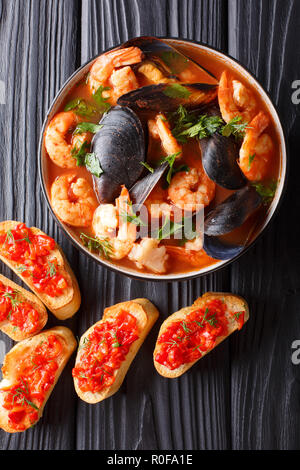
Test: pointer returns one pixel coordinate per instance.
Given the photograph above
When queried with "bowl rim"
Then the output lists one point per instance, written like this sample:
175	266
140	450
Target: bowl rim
180	276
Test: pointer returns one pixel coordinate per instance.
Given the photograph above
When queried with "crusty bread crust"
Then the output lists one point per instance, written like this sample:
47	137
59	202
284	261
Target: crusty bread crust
9	370
64	306
23	295
235	303
146	314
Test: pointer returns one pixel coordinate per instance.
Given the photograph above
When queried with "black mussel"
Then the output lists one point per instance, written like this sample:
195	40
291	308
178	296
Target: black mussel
120	148
168	58
219	159
218	249
232	212
142	188
168	96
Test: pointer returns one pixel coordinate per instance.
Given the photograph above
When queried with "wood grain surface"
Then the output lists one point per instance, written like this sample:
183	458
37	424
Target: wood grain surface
245	394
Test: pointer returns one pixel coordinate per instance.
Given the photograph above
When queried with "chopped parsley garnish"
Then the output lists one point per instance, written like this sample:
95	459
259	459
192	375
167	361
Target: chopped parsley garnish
237	315
87	127
100	100
13	298
184	326
204	127
176	91
51	269
9	236
236	127
92	164
212	320
116	344
251	158
81	107
168	228
79	153
267	192
89	160
100	245
85	343
146	165
170	159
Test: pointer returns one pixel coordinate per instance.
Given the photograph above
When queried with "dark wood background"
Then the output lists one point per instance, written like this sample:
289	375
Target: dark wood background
246	393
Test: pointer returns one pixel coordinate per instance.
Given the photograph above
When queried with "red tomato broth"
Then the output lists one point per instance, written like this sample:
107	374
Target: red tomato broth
186	341
35	375
191	156
31	252
103	352
20	313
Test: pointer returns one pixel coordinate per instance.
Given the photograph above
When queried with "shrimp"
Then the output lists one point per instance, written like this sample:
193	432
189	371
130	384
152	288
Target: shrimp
189	189
150	255
73	200
159	128
56	139
235	100
197	258
123	81
156	203
106	64
257	149
107	221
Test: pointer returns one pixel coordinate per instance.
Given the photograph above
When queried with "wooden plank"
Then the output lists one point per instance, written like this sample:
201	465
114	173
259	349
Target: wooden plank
265	383
38	52
150	412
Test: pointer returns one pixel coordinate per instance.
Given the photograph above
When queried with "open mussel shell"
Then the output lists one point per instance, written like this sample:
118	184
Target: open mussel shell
168	58
142	188
219	159
168	96
232	212
120	148
218	249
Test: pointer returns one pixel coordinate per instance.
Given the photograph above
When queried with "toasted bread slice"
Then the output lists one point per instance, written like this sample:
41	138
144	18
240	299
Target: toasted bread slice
67	304
234	304
23	295
146	314
18	352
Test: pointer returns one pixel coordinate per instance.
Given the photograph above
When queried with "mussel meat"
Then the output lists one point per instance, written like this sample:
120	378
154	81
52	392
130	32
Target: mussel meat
120	148
168	96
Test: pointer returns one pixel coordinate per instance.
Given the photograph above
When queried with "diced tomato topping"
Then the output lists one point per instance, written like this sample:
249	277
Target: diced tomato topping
20	313
33	254
186	341
103	352
36	374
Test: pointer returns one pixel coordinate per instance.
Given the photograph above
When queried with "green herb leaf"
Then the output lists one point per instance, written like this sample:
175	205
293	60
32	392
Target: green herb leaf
100	245
81	107
9	236
251	158
236	126
133	219
51	270
177	91
175	61
168	228
184	326
100	100
146	165
80	153
92	164
267	192
170	159
87	127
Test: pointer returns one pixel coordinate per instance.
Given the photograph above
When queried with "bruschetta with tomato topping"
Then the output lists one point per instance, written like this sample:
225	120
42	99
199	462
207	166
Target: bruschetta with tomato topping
40	263
107	349
192	332
30	372
22	314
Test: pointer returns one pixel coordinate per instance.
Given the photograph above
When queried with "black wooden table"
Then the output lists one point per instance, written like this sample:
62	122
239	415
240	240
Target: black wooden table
246	393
